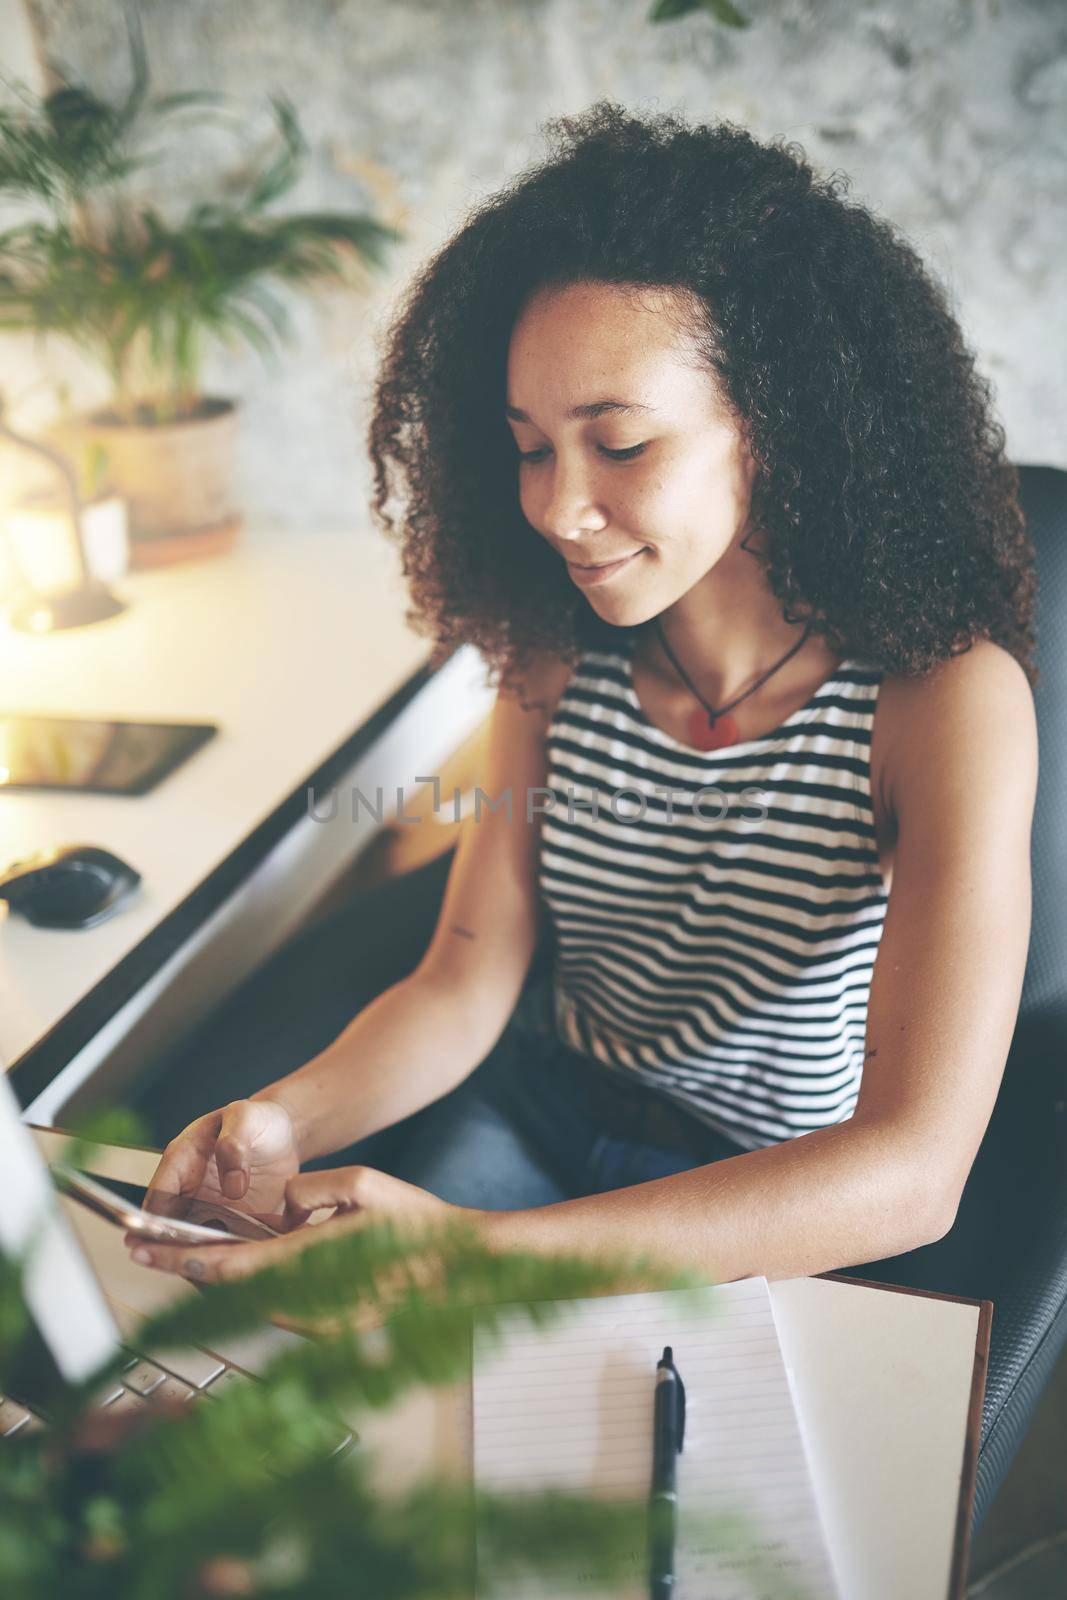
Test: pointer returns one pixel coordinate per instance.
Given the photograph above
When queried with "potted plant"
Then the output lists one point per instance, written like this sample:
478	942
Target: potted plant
141	292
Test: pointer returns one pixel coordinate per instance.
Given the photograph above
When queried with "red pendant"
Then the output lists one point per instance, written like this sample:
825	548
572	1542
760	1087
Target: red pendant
702	736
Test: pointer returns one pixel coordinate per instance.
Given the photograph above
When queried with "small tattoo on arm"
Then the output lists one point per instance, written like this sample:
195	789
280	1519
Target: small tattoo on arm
869	1054
464	933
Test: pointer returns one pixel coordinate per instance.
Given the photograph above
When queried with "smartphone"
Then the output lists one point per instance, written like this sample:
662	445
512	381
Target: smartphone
180	1219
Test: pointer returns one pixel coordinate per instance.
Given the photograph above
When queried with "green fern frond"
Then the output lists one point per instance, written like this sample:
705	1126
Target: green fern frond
247	1478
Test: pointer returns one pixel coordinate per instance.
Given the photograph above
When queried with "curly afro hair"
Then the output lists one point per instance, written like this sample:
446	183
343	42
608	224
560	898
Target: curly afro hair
890	513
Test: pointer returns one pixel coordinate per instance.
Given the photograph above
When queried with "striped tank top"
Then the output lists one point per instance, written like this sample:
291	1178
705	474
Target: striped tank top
716	914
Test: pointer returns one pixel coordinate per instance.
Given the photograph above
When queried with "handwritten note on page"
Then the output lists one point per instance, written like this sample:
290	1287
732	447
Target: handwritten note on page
570	1406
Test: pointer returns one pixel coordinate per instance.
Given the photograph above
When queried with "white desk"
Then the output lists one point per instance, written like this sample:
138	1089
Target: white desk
295	644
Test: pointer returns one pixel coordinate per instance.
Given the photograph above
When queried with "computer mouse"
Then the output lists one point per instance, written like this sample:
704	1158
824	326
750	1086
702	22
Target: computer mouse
71	886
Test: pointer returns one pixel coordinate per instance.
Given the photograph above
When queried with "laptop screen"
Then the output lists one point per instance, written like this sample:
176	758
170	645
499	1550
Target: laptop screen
77	1331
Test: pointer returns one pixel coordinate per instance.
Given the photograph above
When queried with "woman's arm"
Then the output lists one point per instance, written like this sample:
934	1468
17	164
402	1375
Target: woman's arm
961	769
426	1034
409	1046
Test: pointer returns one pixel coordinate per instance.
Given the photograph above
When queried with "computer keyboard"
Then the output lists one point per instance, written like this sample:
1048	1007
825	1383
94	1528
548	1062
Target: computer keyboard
188	1375
15	1418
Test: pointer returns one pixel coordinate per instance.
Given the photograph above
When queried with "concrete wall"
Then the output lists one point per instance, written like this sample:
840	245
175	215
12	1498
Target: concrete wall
951	116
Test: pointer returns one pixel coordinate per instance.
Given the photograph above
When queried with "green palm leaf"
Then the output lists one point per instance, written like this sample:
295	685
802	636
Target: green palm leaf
723	11
141	292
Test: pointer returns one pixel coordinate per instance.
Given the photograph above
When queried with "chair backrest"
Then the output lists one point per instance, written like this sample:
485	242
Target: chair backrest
1043	494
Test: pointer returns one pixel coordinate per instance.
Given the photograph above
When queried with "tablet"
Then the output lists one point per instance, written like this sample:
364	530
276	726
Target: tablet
186	1221
96	756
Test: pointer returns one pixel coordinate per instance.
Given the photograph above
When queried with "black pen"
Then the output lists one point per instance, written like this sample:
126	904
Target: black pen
668	1431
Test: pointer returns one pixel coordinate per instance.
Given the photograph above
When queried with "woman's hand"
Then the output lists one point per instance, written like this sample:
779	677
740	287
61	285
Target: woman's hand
357	1195
242	1155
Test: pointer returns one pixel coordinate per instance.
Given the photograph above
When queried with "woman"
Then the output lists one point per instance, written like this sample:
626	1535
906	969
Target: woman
691	448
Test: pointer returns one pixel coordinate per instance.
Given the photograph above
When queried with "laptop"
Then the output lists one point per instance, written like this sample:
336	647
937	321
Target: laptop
76	1328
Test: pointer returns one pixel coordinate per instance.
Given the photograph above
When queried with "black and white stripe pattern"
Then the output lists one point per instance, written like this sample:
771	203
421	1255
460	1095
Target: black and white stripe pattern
723	957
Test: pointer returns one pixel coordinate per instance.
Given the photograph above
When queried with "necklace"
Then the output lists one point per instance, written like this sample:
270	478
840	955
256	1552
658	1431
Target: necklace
712	728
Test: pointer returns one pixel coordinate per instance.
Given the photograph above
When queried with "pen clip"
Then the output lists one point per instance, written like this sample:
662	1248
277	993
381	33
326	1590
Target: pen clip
680	1386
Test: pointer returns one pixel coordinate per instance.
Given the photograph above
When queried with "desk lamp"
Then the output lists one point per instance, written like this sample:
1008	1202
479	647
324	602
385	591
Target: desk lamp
86	599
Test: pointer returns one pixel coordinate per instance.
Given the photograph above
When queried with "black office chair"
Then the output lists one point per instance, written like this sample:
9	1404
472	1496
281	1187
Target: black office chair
1009	1241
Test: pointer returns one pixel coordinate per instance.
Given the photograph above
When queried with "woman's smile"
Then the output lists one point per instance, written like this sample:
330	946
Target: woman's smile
590	575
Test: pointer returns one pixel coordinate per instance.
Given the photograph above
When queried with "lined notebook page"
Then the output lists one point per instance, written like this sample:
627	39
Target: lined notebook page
570	1407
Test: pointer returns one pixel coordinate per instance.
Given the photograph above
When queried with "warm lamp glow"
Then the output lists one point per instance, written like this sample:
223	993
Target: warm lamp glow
47	547
44	548
41	547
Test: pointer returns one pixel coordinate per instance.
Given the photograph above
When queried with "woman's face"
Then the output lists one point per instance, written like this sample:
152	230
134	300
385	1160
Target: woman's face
658	480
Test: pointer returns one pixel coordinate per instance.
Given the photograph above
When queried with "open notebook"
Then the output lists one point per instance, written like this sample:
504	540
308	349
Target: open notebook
838	1417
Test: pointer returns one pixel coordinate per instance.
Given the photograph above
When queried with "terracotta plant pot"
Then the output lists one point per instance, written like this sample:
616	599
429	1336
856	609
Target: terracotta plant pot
175	477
